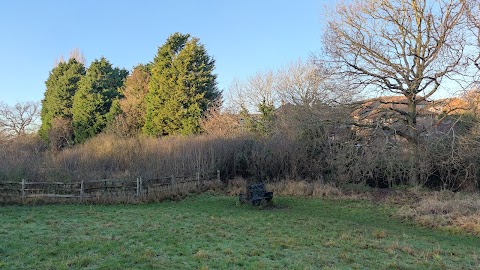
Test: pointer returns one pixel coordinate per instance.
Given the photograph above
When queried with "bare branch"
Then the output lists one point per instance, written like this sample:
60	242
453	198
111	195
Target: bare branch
405	47
19	119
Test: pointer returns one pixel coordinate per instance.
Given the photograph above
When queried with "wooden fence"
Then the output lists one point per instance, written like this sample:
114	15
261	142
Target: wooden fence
125	188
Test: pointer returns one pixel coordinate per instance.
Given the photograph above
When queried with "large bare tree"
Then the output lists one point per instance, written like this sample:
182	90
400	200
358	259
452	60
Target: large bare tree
398	47
248	94
304	84
300	83
310	95
18	119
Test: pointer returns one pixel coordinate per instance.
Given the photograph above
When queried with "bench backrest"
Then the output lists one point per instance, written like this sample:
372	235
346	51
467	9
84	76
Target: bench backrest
258	189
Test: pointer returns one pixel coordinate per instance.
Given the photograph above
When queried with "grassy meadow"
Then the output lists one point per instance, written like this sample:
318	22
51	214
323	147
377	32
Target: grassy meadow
214	232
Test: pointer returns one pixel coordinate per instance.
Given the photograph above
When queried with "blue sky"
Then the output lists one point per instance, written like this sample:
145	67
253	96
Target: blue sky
244	36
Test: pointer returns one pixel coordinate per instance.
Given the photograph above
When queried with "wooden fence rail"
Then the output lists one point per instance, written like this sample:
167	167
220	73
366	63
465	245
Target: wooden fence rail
138	188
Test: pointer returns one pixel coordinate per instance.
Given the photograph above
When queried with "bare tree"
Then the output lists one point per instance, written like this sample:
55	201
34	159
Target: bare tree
306	83
473	14
255	90
78	55
18	119
300	84
303	84
400	47
74	54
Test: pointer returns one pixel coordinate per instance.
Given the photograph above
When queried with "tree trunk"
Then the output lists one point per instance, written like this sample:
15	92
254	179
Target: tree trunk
414	159
413	140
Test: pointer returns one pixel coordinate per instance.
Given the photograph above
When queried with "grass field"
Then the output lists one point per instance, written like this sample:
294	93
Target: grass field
213	232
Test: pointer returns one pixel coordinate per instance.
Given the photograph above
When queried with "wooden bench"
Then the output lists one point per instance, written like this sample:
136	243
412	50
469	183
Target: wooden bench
255	194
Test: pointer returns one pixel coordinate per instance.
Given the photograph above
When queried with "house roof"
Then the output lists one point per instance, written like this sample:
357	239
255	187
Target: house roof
392	105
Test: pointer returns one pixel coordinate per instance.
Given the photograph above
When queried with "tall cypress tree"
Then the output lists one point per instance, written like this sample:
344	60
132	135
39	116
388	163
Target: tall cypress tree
92	104
61	86
182	86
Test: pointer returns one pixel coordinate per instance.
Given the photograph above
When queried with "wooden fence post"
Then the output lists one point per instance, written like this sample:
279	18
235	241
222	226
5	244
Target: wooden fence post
23	188
218	175
139	187
198	180
173	182
82	190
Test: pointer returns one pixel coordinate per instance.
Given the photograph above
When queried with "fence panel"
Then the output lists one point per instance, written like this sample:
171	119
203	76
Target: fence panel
138	188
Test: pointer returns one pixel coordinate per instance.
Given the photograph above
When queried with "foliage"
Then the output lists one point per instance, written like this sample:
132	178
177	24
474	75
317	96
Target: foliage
92	104
181	88
133	105
265	123
61	86
221	123
262	124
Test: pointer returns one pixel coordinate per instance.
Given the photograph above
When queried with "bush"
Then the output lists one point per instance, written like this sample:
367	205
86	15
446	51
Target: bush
21	157
299	153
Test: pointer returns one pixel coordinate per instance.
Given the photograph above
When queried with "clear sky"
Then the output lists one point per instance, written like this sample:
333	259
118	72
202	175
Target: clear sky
244	36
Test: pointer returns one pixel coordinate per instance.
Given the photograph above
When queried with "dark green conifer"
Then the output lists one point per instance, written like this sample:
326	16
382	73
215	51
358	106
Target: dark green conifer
92	104
182	86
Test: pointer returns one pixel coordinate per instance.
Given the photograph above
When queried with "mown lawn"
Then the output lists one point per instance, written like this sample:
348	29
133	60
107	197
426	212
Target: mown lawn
213	232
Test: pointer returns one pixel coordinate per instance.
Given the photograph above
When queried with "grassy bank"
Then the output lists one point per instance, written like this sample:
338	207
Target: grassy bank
213	232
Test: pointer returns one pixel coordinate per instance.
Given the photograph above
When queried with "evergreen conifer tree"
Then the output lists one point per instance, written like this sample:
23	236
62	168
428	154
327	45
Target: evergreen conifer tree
92	104
61	86
182	86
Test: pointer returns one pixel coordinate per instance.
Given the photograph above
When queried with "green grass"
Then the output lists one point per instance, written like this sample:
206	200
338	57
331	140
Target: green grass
214	232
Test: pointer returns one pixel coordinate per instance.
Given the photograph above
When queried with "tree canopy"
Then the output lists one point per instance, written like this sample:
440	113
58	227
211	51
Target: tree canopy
181	88
92	104
61	86
133	104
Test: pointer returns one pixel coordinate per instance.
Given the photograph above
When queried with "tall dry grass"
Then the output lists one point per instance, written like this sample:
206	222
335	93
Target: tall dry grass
110	156
21	157
315	189
445	209
305	154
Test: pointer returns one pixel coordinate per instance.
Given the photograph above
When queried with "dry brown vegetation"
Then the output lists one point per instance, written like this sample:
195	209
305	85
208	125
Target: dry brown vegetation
444	209
290	188
300	149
